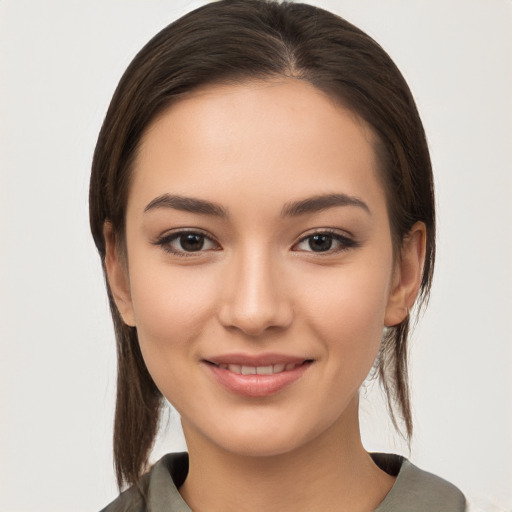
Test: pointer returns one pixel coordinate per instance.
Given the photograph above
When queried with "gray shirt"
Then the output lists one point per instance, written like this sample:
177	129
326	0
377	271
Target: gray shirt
413	491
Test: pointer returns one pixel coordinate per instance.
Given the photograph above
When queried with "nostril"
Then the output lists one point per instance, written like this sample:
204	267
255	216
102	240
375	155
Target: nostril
253	317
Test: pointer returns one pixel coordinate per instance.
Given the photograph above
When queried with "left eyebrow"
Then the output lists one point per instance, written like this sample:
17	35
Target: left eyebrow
322	202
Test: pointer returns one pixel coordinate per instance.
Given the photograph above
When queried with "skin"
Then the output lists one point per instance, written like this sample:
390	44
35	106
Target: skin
257	287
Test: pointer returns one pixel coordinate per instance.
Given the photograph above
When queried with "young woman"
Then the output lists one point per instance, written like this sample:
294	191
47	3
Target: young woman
262	201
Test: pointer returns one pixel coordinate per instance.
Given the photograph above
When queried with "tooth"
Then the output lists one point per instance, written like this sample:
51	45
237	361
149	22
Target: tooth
264	370
290	366
278	368
248	370
235	368
223	366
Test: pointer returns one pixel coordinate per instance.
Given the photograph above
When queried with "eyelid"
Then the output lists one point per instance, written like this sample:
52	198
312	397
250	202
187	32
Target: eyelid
164	240
346	240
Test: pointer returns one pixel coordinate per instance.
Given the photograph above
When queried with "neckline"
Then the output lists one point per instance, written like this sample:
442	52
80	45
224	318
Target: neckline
170	472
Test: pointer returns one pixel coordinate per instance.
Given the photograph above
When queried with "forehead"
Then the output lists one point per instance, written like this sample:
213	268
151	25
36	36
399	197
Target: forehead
261	139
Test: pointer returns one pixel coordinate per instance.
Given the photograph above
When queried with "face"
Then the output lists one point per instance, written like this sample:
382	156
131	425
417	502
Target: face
260	268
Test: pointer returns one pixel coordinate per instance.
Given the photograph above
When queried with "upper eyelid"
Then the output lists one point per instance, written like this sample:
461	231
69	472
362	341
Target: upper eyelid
348	241
168	237
180	231
176	232
342	233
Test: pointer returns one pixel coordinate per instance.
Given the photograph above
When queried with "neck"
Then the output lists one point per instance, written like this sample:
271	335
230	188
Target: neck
333	472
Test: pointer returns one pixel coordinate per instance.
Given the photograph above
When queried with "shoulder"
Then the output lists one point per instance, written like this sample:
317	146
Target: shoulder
416	490
131	500
160	485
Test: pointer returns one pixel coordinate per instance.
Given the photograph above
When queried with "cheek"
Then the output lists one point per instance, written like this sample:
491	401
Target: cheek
166	299
171	311
171	308
346	310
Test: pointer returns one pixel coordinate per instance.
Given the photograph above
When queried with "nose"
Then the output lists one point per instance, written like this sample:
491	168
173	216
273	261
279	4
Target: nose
254	296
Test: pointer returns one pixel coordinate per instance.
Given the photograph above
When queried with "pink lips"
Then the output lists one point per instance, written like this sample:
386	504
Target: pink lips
259	376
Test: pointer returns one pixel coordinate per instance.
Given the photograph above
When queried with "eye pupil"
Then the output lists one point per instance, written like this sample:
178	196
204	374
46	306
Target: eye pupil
192	242
319	243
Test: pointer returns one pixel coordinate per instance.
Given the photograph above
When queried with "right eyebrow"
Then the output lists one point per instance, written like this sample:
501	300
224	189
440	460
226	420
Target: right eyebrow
186	204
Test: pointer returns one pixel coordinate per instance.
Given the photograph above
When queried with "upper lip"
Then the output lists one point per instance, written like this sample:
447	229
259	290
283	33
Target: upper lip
256	360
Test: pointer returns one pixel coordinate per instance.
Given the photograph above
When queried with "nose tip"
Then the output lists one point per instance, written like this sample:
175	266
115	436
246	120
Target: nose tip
255	300
254	321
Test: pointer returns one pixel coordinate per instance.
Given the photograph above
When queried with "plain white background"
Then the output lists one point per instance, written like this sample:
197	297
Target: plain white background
59	63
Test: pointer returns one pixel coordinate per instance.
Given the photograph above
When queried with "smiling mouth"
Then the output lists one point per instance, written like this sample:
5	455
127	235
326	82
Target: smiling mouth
260	370
256	376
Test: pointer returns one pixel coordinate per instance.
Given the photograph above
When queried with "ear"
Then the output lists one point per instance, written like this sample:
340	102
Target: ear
407	275
117	274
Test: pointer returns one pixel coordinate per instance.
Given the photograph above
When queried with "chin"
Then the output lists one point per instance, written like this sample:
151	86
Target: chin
261	435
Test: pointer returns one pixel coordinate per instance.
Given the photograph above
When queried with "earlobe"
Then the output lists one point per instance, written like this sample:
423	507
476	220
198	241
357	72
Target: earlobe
407	275
117	275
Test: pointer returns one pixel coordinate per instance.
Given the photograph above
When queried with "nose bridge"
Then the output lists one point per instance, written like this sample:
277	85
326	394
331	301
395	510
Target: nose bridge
254	298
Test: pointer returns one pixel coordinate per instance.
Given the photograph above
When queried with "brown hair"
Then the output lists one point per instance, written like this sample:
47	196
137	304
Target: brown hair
233	41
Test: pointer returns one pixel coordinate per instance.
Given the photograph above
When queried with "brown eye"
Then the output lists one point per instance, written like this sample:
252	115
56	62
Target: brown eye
191	242
320	243
325	242
184	243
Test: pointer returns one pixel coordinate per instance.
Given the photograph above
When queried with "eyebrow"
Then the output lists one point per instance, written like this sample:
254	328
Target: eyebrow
322	202
186	204
296	208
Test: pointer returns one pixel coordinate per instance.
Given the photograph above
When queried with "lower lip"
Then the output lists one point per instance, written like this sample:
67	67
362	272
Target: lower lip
257	385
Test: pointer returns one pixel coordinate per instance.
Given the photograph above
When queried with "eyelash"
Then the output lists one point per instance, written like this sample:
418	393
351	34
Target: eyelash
344	242
165	242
